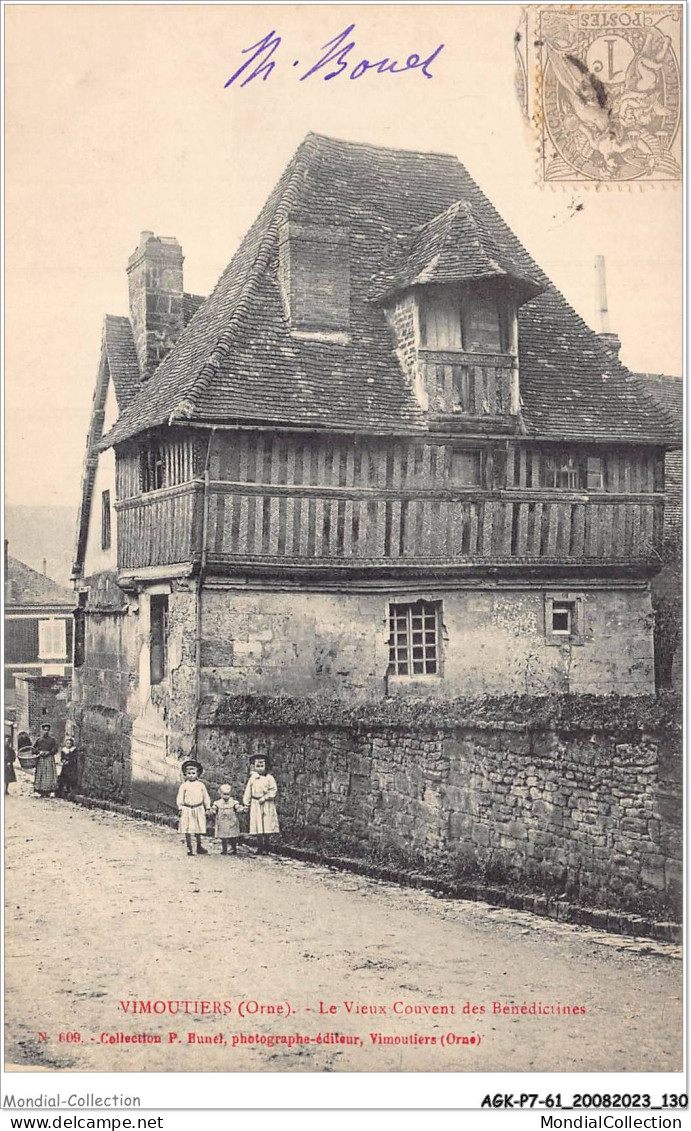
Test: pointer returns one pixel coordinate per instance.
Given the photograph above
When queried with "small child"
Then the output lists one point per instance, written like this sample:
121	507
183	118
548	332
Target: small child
227	824
193	801
260	797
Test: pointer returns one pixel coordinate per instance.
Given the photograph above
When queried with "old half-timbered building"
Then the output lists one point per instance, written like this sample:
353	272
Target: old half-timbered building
384	457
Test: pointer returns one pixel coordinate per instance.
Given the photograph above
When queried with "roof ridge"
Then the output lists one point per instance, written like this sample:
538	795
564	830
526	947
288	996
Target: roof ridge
380	148
48	583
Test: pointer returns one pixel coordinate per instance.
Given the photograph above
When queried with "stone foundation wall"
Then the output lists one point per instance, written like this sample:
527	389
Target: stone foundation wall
587	812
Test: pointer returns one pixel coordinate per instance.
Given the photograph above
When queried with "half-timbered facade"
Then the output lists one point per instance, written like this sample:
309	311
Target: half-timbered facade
384	457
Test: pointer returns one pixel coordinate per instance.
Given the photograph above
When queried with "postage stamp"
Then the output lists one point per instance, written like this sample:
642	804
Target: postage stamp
603	88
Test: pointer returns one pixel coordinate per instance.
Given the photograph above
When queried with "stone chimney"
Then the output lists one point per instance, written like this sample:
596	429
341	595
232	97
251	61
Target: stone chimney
156	309
610	340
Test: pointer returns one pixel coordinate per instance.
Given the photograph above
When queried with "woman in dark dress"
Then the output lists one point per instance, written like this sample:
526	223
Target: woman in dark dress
46	776
10	759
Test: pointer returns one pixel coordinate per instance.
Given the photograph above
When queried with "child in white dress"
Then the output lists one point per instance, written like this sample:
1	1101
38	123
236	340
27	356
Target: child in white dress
260	797
227	824
193	801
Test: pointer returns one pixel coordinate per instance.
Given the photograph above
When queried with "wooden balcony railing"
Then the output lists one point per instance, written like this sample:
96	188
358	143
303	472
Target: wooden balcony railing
469	384
298	525
319	525
160	528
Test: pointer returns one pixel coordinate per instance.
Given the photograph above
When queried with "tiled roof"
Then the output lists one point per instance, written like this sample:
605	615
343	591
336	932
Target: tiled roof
122	359
237	361
455	246
668	392
190	305
29	587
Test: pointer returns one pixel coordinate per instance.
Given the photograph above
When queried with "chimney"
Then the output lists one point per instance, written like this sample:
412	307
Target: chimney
610	340
45	567
155	284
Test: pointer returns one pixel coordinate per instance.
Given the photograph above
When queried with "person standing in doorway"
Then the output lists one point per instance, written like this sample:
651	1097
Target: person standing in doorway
260	796
194	802
46	777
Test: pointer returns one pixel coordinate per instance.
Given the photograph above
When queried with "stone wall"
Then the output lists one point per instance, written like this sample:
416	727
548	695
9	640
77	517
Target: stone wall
104	688
402	317
42	699
134	734
493	643
590	809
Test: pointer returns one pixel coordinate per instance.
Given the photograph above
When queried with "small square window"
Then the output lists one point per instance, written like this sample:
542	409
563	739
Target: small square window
564	618
414	638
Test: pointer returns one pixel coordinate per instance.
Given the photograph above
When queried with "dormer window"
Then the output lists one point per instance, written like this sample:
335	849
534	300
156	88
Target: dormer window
481	326
454	320
314	274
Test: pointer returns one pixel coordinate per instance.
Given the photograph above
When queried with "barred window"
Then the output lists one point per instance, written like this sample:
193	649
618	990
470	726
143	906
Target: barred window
414	638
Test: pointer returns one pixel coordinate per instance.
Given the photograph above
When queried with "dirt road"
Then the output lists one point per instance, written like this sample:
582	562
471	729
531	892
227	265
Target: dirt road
103	910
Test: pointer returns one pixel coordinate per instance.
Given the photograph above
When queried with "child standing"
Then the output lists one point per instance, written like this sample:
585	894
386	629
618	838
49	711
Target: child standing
227	824
260	796
193	801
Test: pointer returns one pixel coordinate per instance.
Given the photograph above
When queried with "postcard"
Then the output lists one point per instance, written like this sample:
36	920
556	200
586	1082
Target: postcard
343	529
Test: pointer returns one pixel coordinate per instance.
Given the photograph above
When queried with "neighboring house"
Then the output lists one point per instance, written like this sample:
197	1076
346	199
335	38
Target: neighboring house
43	538
385	457
38	625
668	585
668	392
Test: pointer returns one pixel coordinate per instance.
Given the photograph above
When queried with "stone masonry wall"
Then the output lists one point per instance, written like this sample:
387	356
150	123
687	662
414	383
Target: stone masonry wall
42	699
134	734
493	643
584	812
402	319
104	690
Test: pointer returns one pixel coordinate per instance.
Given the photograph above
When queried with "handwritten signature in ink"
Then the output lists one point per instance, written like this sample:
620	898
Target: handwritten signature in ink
337	56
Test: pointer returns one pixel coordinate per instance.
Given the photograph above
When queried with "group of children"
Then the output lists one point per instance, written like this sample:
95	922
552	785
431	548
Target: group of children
259	799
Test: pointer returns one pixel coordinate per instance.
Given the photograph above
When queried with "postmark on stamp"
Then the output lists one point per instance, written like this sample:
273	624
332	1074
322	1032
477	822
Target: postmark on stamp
602	86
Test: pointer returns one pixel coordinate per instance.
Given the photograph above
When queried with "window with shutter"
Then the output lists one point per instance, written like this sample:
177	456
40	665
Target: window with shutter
481	325
52	640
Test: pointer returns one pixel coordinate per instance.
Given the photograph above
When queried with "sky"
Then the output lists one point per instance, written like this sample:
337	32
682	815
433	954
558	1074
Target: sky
118	120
